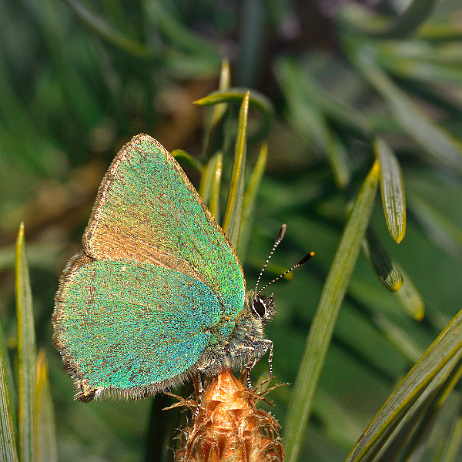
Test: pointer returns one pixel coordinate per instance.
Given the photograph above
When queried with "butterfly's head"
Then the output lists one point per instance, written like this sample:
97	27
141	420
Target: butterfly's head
262	307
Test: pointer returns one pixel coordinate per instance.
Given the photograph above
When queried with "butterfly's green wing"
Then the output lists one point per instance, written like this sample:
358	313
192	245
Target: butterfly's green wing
130	328
147	210
157	282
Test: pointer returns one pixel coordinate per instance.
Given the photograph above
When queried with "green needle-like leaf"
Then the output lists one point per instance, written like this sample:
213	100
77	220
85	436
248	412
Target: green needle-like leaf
339	161
8	376
379	26
256	99
413	120
87	108
228	95
232	219
179	35
448	29
384	268
107	32
451	444
320	334
44	428
392	189
34	149
401	340
185	158
432	370
410	297
219	110
419	422
250	198
442	230
210	184
8	451
298	83
26	353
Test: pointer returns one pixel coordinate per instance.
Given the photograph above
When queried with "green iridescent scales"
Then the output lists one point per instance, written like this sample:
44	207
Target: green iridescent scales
156	285
130	335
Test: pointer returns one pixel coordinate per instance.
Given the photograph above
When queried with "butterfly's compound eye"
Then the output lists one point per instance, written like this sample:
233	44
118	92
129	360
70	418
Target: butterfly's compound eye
259	307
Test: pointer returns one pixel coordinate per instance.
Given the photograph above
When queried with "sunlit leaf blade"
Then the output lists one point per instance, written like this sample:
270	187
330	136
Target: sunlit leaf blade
392	189
402	439
379	26
256	99
250	197
107	32
413	120
210	184
217	169
44	426
219	111
322	326
7	440
234	94
384	268
26	352
424	414
8	376
184	158
233	212
410	297
430	371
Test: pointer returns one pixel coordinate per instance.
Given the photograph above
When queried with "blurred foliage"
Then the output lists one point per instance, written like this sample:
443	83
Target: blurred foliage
350	85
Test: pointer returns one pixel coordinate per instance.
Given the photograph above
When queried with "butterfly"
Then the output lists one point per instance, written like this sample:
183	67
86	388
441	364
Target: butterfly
157	294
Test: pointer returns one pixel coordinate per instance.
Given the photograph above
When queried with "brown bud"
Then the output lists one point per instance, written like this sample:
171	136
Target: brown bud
229	427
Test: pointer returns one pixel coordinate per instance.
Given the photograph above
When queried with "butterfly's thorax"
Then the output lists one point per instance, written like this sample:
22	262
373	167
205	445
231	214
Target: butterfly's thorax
247	342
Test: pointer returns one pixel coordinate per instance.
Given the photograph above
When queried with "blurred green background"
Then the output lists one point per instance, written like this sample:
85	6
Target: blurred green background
79	79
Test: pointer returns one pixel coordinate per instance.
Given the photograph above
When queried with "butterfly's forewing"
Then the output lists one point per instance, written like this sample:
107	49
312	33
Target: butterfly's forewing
147	210
156	284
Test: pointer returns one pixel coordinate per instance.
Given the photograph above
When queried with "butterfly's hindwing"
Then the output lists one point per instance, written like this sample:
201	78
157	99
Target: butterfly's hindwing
125	328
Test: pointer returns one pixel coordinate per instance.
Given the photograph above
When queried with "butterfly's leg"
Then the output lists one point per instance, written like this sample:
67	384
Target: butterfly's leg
270	360
250	365
265	345
199	392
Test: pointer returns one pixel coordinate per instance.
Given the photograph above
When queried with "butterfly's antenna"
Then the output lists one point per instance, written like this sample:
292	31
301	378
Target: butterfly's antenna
278	240
300	263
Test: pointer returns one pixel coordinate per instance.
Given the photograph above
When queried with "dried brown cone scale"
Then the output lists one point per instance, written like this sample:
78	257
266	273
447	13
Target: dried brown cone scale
229	428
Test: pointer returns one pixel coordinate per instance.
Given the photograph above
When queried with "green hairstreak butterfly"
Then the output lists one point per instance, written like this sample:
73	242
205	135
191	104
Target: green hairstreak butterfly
157	294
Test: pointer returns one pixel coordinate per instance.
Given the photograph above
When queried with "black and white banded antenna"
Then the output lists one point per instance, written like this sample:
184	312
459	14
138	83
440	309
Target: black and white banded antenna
278	240
276	243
